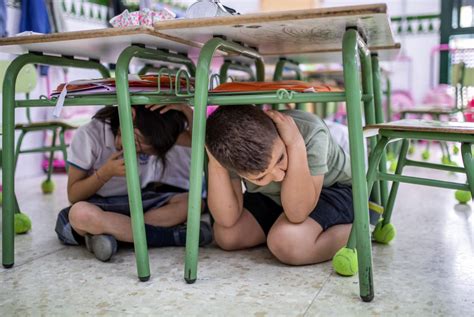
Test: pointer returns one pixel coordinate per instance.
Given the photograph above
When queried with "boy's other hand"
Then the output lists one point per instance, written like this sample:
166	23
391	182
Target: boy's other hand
286	127
115	166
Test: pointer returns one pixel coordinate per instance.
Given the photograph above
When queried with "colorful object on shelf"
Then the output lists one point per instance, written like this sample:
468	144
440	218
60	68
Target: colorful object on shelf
291	85
345	262
136	83
22	223
139	18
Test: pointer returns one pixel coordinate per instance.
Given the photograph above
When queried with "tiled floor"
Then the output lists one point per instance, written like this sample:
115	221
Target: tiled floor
427	270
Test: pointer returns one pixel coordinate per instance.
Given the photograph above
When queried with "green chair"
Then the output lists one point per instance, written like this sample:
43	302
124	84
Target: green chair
415	129
27	80
462	78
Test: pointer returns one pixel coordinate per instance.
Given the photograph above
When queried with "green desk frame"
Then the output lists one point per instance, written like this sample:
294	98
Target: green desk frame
355	53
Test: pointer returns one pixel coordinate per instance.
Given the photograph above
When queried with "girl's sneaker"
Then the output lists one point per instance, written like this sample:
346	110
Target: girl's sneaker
103	246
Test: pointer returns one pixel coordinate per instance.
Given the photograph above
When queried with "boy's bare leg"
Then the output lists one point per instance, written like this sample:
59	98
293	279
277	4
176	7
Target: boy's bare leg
246	233
306	243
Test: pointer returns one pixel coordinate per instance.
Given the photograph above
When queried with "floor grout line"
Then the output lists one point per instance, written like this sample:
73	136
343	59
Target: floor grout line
317	294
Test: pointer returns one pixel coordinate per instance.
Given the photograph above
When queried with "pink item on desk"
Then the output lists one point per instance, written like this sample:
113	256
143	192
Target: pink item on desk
143	17
442	95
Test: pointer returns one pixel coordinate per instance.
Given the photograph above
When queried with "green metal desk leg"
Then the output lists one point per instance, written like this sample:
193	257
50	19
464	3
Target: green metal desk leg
197	154
8	138
374	160
278	74
351	45
11	75
369	112
379	119
197	162
131	165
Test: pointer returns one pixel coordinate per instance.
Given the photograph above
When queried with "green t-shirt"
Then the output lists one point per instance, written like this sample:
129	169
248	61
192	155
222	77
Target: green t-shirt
324	155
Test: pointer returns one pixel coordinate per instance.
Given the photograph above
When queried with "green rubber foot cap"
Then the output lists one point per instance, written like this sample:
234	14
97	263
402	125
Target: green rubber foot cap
455	150
22	223
384	234
425	155
47	187
463	196
345	262
411	150
393	166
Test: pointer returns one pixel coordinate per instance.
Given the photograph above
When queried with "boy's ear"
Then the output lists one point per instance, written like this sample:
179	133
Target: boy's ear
134	114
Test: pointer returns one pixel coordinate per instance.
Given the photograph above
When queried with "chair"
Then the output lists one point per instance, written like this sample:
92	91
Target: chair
415	129
26	82
462	77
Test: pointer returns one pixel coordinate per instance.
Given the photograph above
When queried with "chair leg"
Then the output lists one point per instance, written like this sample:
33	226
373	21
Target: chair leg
48	186
384	231
63	145
18	147
393	191
468	164
51	156
345	261
17	154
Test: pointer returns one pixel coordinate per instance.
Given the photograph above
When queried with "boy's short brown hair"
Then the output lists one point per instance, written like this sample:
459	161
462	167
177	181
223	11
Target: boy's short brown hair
241	138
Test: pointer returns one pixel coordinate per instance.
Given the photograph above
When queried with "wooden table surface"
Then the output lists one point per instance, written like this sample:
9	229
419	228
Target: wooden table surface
294	34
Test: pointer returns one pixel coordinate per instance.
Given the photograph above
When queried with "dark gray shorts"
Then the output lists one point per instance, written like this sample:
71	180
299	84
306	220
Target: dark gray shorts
334	207
151	199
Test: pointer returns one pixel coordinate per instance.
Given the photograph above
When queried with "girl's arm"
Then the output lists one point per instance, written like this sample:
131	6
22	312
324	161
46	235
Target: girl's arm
80	186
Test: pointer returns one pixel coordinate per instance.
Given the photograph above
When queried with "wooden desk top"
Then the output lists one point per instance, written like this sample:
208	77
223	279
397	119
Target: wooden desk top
103	44
291	33
294	34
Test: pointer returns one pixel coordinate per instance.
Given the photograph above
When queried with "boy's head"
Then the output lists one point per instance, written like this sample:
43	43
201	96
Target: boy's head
155	133
245	140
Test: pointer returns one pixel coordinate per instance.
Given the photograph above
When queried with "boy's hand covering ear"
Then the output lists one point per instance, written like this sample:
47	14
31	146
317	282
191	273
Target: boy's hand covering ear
286	127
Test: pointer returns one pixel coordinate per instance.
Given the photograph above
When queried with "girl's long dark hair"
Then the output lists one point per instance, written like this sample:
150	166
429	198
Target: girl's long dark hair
159	130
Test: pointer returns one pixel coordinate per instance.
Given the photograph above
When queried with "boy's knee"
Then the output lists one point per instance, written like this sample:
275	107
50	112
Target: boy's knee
226	238
285	243
81	215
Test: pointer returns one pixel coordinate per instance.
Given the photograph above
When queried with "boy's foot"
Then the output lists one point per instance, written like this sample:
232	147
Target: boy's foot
205	234
103	246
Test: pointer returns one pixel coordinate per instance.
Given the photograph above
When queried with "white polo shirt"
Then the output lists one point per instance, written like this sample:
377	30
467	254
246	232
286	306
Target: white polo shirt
94	143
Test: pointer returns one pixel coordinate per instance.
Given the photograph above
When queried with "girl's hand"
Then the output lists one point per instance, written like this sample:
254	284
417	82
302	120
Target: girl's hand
185	109
286	126
115	166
